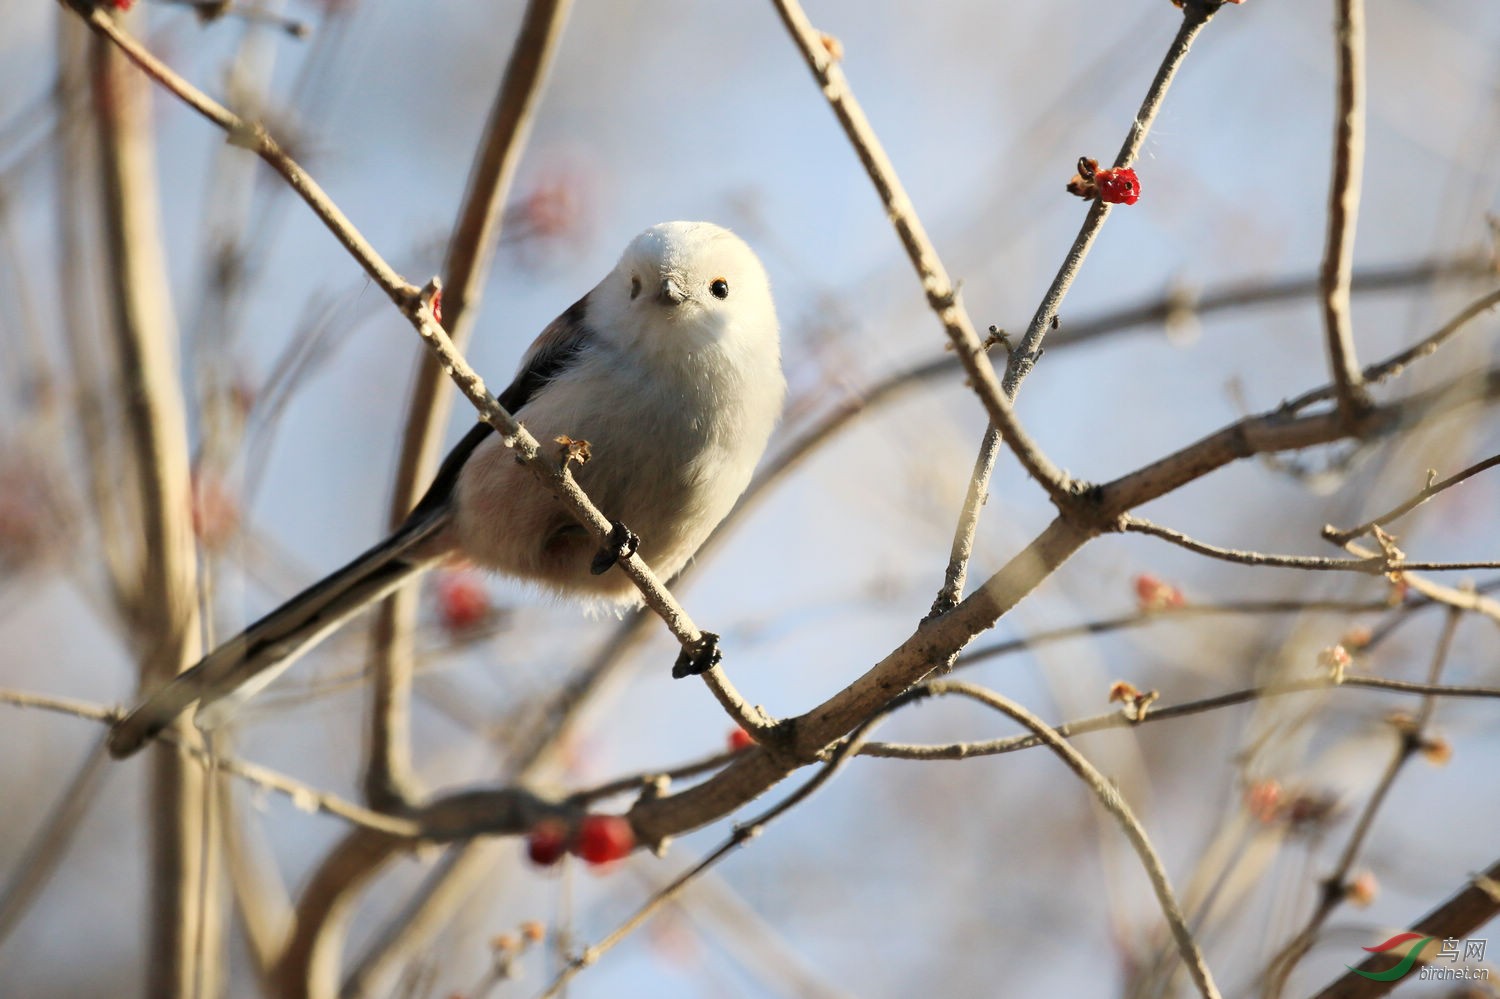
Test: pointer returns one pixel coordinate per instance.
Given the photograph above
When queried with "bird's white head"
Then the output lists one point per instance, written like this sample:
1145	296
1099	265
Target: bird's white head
683	286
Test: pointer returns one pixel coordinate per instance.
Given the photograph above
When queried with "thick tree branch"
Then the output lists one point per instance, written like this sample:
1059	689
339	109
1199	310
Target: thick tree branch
184	926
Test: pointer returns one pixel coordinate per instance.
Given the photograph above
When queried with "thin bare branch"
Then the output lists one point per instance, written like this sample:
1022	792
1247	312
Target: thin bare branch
1396	363
1109	797
1124	719
1026	354
1461	597
640	782
942	296
1343	537
1176	615
255	138
1194	17
1343	211
1374	565
304	796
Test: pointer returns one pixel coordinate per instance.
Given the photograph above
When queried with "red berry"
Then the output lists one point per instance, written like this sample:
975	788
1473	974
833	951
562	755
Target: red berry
463	602
1118	187
547	843
437	305
122	4
740	739
603	838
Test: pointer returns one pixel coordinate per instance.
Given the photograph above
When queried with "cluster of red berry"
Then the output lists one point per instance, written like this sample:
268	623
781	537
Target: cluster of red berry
599	839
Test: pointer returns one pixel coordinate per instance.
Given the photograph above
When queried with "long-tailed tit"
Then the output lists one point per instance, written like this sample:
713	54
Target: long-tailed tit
670	368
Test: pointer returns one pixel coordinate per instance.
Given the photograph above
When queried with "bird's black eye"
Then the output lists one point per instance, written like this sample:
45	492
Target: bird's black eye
635	287
719	287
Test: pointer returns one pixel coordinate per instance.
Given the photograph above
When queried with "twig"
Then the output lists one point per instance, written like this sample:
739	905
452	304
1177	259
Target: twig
1194	17
942	296
1120	719
388	777
1335	886
1184	301
1109	797
1432	488
1343	211
961	549
1374	565
1140	619
1025	356
641	781
59	705
1396	363
255	138
1460	597
303	795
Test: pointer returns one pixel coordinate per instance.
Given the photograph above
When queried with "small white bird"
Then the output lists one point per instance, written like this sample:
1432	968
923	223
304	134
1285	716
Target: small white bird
670	369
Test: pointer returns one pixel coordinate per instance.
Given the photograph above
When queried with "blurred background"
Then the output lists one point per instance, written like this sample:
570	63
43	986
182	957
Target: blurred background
985	877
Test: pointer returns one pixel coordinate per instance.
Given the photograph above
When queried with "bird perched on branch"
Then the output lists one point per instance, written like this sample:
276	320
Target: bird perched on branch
670	370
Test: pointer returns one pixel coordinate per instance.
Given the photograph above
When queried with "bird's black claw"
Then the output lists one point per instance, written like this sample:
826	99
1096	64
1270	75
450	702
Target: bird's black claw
701	657
622	543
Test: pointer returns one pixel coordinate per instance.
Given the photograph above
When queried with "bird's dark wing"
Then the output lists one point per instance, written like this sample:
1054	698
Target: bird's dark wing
550	355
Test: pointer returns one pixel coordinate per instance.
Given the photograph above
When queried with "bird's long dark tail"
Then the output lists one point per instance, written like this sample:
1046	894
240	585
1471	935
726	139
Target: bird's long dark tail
241	667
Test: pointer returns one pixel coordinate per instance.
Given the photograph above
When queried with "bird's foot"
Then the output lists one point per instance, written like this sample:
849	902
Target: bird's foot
622	543
699	657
